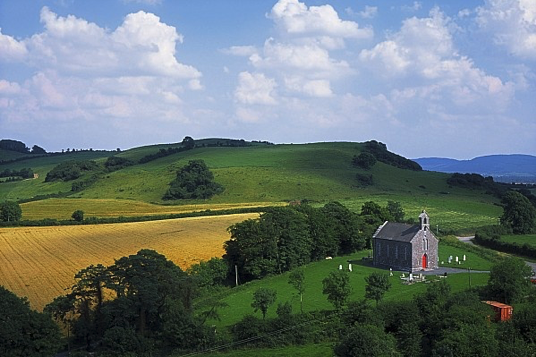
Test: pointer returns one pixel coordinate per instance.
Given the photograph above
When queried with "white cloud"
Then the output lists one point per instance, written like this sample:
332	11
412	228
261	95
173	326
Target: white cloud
423	53
240	50
369	12
11	49
294	17
255	88
512	23
128	78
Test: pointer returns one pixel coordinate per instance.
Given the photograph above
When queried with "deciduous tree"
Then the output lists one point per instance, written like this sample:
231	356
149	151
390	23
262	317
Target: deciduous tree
263	298
337	288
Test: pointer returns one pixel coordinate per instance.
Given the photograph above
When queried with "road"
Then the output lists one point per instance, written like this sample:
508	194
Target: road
469	240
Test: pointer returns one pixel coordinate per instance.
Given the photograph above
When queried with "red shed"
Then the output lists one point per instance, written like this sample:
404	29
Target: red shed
503	312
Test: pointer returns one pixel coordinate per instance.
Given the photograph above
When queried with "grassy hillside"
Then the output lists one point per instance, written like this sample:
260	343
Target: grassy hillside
239	299
318	172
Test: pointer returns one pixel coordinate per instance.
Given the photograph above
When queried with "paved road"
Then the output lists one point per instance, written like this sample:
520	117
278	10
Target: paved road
469	240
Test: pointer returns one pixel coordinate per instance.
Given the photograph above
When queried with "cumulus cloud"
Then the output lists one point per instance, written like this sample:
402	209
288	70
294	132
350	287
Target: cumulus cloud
301	56
294	17
255	88
423	54
512	23
11	50
87	72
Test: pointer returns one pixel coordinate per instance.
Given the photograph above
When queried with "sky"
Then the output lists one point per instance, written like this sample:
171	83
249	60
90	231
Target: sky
444	78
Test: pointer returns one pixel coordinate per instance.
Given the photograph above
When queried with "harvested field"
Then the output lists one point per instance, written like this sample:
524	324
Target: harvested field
40	262
63	208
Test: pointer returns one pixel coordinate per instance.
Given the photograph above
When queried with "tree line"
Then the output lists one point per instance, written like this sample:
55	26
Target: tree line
143	304
284	238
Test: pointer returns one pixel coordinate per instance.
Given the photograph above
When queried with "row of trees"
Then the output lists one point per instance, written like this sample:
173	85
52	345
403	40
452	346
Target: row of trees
23	173
19	146
284	238
140	303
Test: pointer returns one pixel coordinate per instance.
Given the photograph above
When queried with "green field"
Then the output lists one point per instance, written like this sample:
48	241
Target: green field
529	239
263	174
239	299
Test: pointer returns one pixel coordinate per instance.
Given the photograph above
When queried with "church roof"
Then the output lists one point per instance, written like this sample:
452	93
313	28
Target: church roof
396	231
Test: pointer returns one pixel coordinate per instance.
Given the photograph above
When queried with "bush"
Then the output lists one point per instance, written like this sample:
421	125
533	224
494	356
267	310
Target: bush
70	170
78	215
10	211
365	160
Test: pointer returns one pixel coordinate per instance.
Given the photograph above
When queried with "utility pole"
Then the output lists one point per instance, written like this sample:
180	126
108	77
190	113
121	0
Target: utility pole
236	274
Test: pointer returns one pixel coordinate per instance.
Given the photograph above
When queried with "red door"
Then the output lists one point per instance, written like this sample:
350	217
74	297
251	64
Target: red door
425	261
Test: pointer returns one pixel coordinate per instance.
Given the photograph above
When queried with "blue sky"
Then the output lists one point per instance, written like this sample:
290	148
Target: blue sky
451	78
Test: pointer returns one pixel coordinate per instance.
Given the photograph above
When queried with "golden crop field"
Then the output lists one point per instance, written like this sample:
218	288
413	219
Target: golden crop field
40	262
63	208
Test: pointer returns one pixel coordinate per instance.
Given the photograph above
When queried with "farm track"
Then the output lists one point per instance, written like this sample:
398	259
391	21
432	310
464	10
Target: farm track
40	262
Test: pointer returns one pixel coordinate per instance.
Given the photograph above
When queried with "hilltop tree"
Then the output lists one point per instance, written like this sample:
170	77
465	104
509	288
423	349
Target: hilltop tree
193	181
38	150
10	211
364	160
188	142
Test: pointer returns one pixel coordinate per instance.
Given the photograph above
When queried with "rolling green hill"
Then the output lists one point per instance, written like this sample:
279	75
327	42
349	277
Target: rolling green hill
318	172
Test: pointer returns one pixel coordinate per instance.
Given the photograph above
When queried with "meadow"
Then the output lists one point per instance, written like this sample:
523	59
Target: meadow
239	299
529	239
262	174
40	262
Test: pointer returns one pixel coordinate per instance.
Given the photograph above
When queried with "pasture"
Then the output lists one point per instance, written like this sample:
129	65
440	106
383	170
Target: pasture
239	299
529	239
40	262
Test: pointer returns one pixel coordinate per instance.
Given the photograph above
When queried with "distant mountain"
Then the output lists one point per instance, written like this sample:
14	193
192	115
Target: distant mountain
503	168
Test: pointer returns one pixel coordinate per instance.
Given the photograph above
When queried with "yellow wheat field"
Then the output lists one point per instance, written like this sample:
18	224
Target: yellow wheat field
40	262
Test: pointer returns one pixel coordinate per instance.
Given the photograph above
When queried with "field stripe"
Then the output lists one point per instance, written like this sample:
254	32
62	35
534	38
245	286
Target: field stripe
40	262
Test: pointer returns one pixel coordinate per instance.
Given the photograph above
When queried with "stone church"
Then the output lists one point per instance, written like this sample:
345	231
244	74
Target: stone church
405	247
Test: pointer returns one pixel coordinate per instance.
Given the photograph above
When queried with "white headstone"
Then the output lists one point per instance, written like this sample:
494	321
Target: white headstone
340	267
350	266
464	257
456	259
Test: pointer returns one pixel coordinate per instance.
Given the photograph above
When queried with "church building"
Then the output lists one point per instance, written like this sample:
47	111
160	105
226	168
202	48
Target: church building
405	247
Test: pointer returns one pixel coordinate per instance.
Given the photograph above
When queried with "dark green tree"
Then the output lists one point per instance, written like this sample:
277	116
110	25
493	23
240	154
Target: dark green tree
337	288
251	250
509	280
519	214
78	215
263	298
377	285
38	150
396	211
347	227
193	181
25	332
290	231
367	340
188	142
146	281
210	273
10	211
297	280
322	232
364	160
